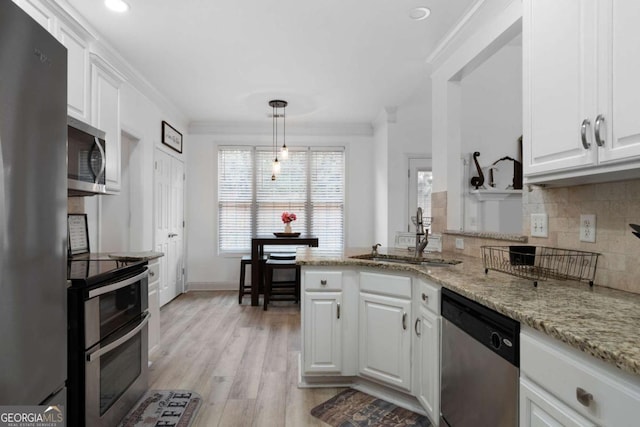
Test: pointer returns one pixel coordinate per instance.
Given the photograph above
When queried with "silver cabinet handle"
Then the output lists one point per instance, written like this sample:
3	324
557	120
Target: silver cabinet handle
583	397
415	327
425	297
586	124
338	310
323	282
598	130
404	321
172	235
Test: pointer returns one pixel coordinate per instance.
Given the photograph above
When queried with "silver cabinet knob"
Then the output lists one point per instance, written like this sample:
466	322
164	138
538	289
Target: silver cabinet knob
323	282
584	397
151	273
425	297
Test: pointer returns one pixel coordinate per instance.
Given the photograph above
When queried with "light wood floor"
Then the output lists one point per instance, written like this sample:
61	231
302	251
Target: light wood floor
242	360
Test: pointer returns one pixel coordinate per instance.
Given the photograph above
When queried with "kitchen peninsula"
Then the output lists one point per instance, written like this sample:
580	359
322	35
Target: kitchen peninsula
585	334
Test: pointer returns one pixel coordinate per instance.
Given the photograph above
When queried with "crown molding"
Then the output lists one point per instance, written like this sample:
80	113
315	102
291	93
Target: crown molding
297	128
454	32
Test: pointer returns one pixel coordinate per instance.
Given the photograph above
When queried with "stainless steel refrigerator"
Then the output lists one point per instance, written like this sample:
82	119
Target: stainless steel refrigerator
33	206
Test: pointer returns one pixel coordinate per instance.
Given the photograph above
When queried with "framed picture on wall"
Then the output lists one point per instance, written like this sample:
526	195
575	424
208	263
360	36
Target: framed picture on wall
171	137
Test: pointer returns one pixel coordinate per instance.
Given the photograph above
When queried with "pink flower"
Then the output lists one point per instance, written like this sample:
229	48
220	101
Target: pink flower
288	217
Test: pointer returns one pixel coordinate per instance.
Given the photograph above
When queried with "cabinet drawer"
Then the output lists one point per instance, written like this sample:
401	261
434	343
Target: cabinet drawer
319	280
385	284
429	296
568	373
154	271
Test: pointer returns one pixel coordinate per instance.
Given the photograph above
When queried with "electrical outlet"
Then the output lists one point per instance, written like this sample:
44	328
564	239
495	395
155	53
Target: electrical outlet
588	228
539	225
459	243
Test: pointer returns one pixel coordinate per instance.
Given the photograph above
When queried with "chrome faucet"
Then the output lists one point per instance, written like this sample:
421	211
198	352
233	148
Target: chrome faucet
374	249
421	242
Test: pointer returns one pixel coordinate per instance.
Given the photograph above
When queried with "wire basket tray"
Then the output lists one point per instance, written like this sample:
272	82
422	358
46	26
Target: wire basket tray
541	262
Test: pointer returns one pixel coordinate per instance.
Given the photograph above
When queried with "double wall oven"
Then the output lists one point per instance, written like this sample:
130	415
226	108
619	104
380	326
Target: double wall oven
108	339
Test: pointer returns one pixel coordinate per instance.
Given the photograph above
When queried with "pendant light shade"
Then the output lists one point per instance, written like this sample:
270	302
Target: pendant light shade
277	104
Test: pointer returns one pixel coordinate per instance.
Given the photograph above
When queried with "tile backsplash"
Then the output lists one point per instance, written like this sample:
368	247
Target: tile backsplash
615	205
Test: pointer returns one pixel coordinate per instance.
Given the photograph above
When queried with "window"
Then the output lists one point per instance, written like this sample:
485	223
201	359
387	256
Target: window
311	184
420	185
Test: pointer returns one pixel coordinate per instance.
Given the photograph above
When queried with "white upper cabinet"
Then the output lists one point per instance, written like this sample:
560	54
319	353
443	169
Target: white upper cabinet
78	70
105	113
619	95
580	118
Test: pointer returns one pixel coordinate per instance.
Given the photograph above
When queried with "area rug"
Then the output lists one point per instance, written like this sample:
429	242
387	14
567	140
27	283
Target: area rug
354	408
170	408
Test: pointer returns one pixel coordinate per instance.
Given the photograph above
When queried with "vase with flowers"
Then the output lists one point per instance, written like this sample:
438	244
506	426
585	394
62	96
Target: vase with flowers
287	219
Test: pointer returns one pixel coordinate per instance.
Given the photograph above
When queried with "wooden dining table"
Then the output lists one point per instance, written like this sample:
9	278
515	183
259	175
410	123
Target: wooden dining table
257	252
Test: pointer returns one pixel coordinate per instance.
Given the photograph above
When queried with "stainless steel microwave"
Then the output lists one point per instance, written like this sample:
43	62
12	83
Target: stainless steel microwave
86	159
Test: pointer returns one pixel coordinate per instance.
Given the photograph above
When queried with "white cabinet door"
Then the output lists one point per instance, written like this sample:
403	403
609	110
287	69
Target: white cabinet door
619	86
77	72
540	409
385	339
428	330
322	332
105	112
154	303
559	83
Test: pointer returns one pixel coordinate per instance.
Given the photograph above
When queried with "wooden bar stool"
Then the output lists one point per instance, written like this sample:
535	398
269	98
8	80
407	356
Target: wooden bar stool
281	290
243	289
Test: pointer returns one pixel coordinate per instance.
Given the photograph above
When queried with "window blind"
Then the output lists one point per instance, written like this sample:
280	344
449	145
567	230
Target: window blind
310	184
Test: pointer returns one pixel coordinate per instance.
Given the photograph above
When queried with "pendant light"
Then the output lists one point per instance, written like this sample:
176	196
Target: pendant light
275	105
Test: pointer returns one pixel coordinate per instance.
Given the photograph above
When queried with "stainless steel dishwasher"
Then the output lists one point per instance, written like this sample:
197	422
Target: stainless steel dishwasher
480	365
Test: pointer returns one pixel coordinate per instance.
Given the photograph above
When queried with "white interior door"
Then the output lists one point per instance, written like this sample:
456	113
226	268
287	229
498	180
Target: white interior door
169	215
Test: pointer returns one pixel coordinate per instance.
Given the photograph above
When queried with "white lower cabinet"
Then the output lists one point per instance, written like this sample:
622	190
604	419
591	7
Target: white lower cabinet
154	302
540	409
427	330
322	332
385	339
561	386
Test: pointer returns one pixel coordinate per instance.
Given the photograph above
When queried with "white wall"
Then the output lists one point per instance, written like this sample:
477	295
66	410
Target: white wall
494	24
380	172
410	135
208	270
491	123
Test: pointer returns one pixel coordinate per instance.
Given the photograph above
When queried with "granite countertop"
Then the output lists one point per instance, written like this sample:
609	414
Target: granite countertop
599	321
136	256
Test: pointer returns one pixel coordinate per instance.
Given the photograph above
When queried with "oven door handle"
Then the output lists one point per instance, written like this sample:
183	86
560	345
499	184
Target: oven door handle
112	287
117	343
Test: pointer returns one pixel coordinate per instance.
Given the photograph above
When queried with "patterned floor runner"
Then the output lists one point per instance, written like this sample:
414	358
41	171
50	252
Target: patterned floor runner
354	408
169	408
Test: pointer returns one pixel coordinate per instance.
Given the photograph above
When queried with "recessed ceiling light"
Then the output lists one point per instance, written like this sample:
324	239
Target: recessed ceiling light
116	5
419	13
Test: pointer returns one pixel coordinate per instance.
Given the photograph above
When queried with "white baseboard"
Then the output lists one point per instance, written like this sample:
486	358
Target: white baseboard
211	286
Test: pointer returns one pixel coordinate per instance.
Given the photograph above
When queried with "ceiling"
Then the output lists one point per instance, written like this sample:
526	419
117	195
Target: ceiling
332	60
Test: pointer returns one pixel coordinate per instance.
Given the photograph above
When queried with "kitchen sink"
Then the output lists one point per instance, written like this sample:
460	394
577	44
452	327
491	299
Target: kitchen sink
400	259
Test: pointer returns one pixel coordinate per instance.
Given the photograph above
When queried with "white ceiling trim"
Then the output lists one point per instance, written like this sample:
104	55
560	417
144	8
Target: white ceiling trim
298	129
455	30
